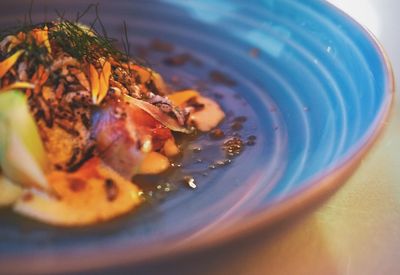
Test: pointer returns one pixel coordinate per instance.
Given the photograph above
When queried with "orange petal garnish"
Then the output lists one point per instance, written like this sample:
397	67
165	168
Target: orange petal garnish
94	83
47	92
39	78
104	81
42	75
21	36
42	37
81	78
7	64
144	73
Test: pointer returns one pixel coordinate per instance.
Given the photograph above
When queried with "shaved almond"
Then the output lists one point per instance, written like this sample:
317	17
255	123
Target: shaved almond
11	41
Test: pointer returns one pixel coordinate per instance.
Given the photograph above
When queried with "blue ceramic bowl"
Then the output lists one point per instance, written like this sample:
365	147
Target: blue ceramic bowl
316	89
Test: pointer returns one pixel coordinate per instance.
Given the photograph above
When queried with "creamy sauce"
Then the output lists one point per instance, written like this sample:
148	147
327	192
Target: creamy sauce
209	117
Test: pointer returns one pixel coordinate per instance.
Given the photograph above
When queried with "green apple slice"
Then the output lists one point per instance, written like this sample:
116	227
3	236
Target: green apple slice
9	191
22	155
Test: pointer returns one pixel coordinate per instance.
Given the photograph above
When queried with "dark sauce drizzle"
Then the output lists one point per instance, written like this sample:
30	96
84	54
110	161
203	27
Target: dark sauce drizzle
202	153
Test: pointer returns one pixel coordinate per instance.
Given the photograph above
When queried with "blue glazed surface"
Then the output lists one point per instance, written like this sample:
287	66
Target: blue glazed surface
313	95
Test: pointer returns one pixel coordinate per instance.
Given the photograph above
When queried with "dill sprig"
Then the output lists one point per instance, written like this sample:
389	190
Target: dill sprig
34	53
84	43
79	41
22	27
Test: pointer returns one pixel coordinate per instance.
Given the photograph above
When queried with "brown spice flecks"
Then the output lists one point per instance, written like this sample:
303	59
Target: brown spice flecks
89	153
111	189
251	140
46	111
142	51
75	153
68	127
60	90
76	185
86	121
254	52
217	134
236	126
27	197
161	46
251	143
178	60
221	78
194	104
176	80
240	119
181	59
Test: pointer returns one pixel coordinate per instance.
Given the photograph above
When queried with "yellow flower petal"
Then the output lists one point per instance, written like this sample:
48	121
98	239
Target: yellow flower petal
94	83
104	82
7	64
42	37
18	85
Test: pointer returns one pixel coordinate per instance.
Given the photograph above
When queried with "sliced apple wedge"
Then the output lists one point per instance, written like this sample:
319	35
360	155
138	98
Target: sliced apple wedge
22	155
92	194
9	191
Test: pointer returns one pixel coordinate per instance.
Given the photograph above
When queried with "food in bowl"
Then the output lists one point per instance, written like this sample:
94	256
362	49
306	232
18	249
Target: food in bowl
79	119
